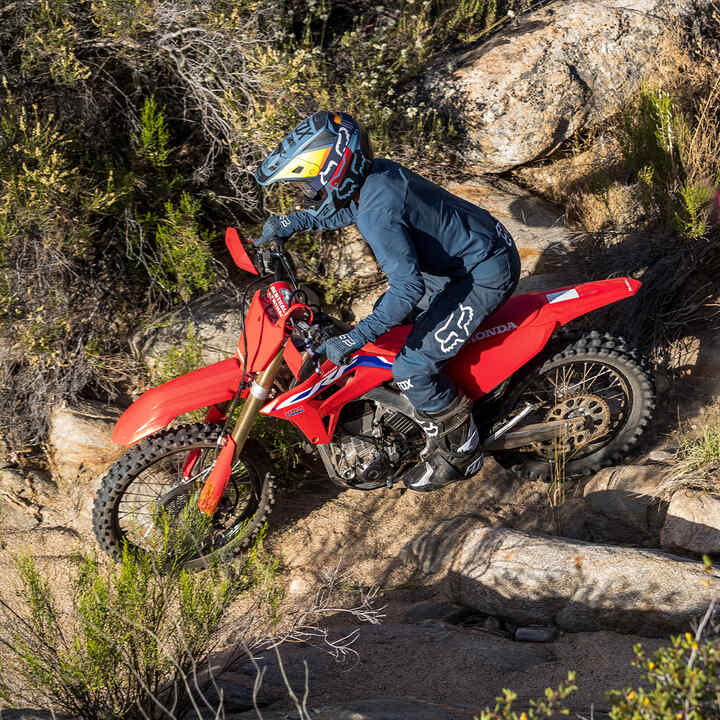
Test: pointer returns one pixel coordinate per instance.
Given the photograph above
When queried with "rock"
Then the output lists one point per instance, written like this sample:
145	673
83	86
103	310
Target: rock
80	442
16	516
625	505
663	457
693	523
429	610
12	481
207	329
555	71
19	507
364	304
536	633
214	322
534	579
537	227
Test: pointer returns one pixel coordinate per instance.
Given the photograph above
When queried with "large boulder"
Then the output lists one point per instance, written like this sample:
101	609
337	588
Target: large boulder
535	579
693	523
553	72
211	323
625	505
81	450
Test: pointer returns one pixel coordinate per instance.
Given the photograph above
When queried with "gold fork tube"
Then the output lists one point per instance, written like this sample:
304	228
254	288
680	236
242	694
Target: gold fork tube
259	391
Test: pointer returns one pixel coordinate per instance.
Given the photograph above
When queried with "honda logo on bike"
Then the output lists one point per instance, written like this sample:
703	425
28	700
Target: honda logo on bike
491	332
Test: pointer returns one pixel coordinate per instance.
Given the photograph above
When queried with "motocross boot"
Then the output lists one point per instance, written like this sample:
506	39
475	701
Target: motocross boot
451	449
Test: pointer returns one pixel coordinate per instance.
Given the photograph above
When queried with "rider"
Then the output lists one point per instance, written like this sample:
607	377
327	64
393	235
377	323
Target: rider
429	243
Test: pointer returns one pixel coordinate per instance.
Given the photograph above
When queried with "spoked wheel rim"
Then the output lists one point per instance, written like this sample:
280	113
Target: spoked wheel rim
595	392
162	495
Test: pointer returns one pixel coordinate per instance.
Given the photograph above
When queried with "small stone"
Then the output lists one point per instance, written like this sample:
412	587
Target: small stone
298	587
535	633
492	624
11	481
662	456
42	484
14	516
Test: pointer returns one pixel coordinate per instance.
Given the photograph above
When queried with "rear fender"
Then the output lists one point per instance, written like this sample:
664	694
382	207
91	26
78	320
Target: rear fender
154	409
521	328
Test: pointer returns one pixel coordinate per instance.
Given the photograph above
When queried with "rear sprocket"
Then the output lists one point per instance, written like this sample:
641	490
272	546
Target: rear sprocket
599	378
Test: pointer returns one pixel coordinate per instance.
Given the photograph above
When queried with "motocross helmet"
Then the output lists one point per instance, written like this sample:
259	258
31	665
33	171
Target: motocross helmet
328	154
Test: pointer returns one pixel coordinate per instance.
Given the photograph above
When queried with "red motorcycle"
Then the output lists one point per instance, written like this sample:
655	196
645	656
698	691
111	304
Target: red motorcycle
541	392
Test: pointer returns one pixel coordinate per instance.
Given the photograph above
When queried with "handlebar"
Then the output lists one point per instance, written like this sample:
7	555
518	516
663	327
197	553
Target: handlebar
271	259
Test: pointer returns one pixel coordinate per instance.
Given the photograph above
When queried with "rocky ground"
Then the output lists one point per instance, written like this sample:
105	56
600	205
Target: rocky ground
492	582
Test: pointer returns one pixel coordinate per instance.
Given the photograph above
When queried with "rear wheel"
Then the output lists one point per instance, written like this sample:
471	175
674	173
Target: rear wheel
599	381
152	489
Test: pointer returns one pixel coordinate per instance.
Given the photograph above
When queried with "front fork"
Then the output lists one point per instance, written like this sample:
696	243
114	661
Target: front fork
216	483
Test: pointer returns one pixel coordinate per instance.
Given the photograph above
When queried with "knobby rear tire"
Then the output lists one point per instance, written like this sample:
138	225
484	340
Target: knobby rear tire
622	358
152	449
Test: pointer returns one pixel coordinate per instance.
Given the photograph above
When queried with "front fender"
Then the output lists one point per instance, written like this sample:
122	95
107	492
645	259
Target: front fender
154	409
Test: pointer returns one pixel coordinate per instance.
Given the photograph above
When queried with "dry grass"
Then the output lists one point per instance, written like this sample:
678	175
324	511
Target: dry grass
697	463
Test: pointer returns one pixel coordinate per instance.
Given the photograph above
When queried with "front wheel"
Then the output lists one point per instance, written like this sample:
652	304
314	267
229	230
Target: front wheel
149	495
598	380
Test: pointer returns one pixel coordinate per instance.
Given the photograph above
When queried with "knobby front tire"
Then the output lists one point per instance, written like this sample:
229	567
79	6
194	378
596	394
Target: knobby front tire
149	478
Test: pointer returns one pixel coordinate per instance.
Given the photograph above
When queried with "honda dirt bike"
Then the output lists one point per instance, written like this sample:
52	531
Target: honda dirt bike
539	393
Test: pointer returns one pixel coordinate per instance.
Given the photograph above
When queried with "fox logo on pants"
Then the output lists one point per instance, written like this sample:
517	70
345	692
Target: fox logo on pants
452	335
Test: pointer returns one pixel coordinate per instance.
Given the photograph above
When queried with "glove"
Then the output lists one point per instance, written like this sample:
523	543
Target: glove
277	226
339	347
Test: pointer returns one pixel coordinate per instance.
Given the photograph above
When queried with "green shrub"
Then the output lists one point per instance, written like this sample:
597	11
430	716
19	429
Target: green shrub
185	259
550	706
152	141
138	634
692	219
666	150
682	683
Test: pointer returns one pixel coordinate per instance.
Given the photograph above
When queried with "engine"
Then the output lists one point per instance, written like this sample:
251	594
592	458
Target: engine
373	442
360	463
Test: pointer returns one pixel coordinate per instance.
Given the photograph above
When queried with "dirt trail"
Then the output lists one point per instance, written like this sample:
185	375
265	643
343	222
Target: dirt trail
416	652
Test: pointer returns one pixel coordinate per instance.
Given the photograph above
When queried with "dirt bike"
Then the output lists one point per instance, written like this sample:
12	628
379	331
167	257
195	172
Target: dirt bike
539	393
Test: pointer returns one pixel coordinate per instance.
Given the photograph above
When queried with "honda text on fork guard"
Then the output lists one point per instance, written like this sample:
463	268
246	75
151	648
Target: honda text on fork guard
538	394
